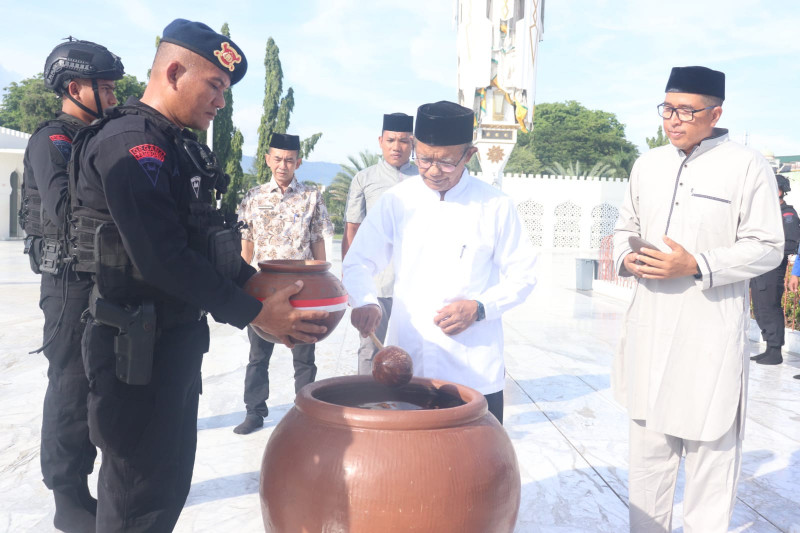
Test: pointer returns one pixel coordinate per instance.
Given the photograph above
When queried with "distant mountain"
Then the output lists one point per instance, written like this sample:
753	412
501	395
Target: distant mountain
316	171
247	164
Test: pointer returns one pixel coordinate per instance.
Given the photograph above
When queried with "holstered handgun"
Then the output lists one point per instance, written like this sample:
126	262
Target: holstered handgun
134	344
33	248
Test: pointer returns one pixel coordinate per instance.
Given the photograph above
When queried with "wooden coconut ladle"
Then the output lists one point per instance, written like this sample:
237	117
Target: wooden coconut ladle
392	366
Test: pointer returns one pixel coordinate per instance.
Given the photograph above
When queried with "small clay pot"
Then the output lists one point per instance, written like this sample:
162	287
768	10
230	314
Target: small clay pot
322	291
332	466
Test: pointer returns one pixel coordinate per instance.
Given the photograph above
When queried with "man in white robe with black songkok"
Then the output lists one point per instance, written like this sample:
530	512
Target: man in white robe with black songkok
460	255
707	206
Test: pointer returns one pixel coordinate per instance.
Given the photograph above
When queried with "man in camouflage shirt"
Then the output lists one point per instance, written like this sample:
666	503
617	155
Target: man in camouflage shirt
285	220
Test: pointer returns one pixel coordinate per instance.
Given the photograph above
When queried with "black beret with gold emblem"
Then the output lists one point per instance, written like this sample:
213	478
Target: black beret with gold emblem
205	42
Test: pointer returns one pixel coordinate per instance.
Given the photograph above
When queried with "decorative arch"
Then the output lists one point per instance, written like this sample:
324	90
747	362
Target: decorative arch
531	214
15	200
567	228
604	217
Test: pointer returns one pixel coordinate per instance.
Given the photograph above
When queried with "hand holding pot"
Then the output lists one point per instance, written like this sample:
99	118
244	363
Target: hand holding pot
366	318
279	318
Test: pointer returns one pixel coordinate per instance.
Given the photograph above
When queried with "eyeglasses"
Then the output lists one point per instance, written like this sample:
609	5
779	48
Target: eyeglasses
425	163
684	114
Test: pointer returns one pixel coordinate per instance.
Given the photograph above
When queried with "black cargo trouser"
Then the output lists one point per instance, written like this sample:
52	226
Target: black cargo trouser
147	433
495	402
256	378
766	292
66	453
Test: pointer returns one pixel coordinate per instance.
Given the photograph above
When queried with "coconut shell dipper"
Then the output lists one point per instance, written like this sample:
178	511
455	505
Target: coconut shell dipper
391	366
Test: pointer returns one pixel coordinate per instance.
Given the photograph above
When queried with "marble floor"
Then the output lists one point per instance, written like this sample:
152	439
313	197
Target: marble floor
569	434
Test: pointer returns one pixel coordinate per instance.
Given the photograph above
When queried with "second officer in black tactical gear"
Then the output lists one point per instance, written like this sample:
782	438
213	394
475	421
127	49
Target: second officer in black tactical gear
82	73
146	226
767	289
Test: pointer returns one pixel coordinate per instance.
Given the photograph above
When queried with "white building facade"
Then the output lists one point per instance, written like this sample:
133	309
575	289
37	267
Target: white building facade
12	150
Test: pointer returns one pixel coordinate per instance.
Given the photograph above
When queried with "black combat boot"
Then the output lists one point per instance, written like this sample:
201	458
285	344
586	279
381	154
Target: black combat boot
87	500
71	515
252	422
771	357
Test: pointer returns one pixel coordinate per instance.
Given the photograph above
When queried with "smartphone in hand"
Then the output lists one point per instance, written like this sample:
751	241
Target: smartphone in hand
637	243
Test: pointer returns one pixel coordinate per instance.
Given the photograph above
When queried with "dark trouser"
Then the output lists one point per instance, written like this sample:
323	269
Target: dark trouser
147	433
67	455
256	378
367	350
766	292
495	401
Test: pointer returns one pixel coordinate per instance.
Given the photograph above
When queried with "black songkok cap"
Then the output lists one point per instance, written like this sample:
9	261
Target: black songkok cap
696	80
204	41
444	124
282	141
398	122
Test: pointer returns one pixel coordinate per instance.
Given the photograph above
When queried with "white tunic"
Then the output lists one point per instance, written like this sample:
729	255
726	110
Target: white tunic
471	246
682	362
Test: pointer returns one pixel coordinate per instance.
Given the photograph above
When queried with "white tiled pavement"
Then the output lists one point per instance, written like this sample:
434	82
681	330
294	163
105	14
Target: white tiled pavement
569	434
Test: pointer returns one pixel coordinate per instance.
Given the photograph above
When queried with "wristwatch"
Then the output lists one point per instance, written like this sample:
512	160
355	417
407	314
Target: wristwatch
481	312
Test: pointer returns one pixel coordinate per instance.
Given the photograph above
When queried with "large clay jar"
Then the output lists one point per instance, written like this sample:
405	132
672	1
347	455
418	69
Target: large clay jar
333	467
321	290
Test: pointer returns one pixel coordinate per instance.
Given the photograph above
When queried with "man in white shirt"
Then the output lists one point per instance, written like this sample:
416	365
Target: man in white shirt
366	188
460	255
708	205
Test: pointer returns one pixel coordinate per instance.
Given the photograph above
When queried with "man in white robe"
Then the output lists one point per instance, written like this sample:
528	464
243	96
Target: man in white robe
460	255
708	205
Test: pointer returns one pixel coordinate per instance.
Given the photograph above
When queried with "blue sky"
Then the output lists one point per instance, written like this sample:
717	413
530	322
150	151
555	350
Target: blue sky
350	61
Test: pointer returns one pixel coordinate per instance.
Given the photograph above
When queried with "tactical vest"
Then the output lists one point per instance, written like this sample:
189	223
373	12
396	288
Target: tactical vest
31	213
44	243
95	244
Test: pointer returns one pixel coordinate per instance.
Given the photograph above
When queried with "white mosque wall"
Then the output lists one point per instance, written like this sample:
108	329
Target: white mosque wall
565	217
11	169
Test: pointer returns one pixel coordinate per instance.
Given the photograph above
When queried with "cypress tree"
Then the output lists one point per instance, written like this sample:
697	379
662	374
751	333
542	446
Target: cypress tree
277	112
273	87
230	202
223	122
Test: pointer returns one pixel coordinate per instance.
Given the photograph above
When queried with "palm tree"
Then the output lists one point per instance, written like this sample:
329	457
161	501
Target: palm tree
578	170
335	196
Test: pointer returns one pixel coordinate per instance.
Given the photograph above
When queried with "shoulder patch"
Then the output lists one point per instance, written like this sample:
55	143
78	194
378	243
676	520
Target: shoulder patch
150	157
64	145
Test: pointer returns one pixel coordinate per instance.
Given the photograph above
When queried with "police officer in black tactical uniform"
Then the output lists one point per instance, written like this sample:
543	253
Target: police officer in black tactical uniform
766	290
82	73
146	226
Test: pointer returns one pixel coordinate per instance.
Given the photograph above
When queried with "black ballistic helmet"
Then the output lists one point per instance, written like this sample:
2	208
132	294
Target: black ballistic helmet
783	183
80	59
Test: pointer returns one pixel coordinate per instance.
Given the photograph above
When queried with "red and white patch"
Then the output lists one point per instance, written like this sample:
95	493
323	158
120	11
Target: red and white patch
63	144
150	158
